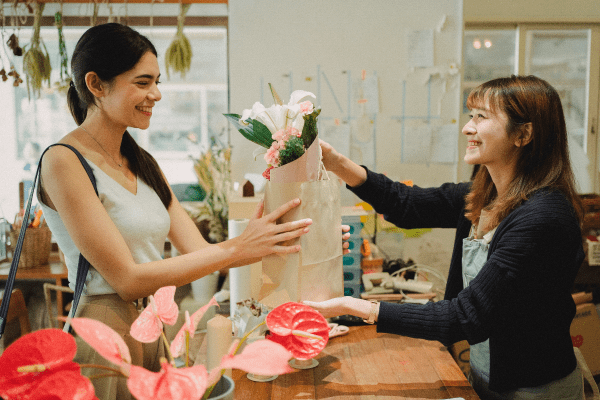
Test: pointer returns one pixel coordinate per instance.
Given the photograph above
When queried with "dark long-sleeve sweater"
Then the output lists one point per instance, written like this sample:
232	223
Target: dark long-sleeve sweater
521	298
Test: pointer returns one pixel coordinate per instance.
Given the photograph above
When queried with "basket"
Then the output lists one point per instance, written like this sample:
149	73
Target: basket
36	246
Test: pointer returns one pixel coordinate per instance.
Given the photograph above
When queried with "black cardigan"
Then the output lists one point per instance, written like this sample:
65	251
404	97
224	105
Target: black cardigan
521	300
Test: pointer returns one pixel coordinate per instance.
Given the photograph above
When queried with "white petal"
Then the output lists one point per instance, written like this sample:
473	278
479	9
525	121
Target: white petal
273	117
298	95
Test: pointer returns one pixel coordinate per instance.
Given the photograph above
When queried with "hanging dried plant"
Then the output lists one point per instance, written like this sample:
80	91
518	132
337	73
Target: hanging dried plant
63	84
36	61
13	44
179	53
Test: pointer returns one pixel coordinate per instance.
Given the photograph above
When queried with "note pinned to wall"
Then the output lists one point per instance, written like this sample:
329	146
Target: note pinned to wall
420	48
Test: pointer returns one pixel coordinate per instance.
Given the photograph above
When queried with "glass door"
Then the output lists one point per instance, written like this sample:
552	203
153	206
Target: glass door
563	57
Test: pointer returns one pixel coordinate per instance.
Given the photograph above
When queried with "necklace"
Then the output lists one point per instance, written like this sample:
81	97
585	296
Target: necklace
102	147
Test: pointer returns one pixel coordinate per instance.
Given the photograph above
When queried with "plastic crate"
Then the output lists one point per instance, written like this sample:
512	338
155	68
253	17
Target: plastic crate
353	290
354	244
351	260
352	275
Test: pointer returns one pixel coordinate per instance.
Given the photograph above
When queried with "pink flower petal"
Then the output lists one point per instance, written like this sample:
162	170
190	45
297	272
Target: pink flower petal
289	317
197	316
167	309
168	384
52	349
108	343
147	327
67	385
190	325
262	357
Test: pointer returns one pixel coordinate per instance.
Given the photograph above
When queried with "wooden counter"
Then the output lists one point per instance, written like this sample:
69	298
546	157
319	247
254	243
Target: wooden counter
367	365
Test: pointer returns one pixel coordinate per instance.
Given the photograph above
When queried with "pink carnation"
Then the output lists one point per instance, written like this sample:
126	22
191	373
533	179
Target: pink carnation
306	107
279	135
272	156
267	173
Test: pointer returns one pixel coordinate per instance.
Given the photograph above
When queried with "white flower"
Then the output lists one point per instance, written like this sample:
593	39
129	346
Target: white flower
278	117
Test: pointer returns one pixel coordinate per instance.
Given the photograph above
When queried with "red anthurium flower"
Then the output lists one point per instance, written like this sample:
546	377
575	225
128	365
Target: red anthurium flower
189	326
162	309
108	343
299	328
262	357
169	384
40	360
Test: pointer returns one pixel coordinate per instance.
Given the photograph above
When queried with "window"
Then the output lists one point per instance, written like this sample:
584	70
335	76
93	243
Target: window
560	54
184	121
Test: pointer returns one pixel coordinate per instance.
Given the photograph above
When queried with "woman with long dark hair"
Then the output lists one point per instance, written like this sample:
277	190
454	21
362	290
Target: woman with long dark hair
517	248
122	230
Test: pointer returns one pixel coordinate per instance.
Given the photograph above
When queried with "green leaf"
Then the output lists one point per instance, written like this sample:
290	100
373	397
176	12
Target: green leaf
310	131
255	131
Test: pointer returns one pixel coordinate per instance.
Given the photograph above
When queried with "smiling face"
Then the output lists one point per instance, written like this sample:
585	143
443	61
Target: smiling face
131	96
488	141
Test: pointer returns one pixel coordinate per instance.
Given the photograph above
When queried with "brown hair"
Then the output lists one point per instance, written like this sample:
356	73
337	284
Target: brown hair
110	50
542	163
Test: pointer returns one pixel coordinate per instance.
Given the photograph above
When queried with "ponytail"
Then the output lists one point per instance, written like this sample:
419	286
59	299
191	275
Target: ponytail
143	165
78	111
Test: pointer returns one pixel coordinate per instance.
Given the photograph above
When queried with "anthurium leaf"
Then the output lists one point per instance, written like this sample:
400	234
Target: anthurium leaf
255	131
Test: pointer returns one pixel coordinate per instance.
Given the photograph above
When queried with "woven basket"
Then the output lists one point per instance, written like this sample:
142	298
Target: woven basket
36	246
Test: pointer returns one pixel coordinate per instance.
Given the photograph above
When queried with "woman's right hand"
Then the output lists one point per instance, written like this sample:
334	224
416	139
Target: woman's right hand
263	236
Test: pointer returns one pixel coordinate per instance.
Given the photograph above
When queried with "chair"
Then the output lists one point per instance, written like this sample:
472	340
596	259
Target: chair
48	287
17	310
587	374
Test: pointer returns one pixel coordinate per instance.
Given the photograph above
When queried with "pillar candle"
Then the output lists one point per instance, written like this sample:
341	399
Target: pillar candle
219	338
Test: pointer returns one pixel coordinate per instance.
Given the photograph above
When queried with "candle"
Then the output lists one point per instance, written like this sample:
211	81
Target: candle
219	337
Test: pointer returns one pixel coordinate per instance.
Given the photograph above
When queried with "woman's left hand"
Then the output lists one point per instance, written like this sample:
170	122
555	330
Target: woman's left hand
341	306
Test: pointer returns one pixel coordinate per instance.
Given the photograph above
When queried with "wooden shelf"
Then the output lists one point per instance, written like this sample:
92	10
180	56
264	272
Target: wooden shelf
135	1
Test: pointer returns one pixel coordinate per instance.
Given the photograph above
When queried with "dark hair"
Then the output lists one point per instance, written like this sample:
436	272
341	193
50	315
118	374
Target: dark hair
542	163
110	50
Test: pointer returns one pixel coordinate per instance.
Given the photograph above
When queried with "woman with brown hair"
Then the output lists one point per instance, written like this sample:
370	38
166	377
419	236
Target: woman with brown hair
517	247
121	228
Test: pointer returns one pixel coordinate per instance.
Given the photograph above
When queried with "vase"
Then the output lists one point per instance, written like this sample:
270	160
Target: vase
224	389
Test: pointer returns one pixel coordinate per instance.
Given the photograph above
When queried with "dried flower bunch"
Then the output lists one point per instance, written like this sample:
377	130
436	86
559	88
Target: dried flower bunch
179	53
36	61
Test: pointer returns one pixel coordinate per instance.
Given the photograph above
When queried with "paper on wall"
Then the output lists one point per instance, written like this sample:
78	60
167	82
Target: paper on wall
420	48
444	144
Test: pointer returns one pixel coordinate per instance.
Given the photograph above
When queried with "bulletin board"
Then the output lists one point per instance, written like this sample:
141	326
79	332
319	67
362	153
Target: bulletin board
386	75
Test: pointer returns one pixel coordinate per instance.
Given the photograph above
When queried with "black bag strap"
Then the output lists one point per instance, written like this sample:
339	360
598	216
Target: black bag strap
82	267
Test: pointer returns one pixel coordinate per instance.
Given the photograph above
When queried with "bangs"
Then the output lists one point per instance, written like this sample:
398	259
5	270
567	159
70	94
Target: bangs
484	97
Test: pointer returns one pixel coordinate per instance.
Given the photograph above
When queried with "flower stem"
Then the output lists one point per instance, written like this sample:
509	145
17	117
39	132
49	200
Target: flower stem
187	349
107	375
164	337
102	367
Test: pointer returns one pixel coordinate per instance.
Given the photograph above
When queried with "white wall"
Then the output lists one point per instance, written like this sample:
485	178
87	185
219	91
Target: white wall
271	38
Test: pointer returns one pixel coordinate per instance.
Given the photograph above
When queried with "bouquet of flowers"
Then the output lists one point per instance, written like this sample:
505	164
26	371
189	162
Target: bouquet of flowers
286	131
289	137
40	364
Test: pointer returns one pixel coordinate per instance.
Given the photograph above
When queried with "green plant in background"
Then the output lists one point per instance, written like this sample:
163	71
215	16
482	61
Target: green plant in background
213	170
36	60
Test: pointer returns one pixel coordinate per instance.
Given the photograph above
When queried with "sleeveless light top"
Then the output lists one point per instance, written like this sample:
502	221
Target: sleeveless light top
141	218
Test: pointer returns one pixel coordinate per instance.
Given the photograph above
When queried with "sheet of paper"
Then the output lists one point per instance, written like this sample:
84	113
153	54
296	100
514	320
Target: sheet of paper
420	48
337	135
416	144
444	144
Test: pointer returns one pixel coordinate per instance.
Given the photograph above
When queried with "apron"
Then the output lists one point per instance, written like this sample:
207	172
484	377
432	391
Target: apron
475	253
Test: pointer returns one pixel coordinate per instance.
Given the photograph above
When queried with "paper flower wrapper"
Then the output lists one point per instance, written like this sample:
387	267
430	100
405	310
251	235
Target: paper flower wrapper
316	272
